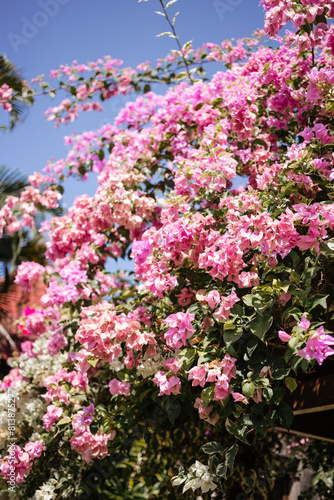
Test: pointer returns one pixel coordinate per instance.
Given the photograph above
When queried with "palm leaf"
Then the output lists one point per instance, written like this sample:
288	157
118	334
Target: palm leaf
13	78
33	251
12	182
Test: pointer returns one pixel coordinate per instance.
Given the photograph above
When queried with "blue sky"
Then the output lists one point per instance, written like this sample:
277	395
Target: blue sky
39	35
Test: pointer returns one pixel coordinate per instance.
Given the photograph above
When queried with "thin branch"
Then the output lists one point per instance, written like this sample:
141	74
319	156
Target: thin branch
177	40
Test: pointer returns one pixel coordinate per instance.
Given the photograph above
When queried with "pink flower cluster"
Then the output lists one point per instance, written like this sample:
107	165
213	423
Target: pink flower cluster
13	378
167	385
34	323
53	413
317	346
204	412
117	387
5	97
89	445
317	343
106	335
27	273
18	462
252	120
180	329
220	373
55	391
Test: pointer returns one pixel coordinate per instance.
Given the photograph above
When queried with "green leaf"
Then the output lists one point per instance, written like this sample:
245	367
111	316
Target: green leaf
187	357
93	361
230	456
213	447
260	325
173	411
294	312
290	383
266	67
217	101
248	389
327	247
170	3
199	106
189	484
178	480
181	76
232	335
285	415
79	397
207	395
64	420
280	373
194	308
260	142
251	346
213	461
316	300
238	431
221	470
165	33
248	299
258	302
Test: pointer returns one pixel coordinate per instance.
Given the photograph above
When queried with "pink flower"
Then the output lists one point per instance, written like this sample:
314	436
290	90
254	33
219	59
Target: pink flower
304	323
184	298
166	385
285	337
180	329
91	445
117	387
223	311
198	375
26	273
317	346
53	413
237	396
204	412
284	298
86	417
35	449
173	364
221	388
213	298
22	464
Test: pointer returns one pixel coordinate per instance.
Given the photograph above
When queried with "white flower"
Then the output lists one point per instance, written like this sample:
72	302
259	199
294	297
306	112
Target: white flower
150	366
116	365
142	288
199	469
203	477
46	491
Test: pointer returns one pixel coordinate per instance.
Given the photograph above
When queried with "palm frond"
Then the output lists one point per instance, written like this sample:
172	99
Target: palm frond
12	182
34	251
13	78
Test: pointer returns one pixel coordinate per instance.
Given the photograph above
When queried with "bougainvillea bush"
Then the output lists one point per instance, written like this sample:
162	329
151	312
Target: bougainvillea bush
168	382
